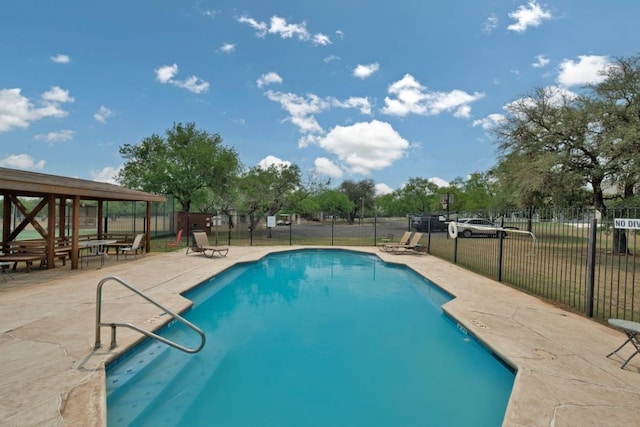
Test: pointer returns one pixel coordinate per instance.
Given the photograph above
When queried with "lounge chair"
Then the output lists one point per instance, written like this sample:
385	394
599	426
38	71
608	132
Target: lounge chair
412	247
404	240
201	245
133	248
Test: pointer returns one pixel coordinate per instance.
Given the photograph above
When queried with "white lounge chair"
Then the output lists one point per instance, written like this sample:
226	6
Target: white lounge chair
404	240
201	245
412	247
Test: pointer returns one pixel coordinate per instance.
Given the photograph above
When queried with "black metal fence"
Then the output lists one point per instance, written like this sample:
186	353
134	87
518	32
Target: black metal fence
573	257
577	258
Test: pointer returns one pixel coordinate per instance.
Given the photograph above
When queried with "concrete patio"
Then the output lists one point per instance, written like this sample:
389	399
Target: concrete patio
50	375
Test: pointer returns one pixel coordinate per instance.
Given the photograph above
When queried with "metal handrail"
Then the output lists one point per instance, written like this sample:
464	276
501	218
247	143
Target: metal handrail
149	334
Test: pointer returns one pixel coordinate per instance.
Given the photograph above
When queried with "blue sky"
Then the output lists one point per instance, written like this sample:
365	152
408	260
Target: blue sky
347	89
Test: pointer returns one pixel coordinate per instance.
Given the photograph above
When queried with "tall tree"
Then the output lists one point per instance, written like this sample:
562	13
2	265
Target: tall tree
185	164
550	135
265	191
335	203
616	99
361	194
419	195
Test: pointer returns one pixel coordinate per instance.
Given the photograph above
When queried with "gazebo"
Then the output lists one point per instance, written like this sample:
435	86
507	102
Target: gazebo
52	190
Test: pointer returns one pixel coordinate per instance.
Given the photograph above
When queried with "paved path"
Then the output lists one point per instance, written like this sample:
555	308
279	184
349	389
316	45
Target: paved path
49	374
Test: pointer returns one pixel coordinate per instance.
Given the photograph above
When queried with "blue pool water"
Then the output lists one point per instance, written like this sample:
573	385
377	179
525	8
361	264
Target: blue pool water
313	338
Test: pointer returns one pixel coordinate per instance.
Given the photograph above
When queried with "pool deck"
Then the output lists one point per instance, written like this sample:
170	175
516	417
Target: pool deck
50	375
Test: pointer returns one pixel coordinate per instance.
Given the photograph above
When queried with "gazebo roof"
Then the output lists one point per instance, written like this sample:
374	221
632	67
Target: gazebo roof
23	183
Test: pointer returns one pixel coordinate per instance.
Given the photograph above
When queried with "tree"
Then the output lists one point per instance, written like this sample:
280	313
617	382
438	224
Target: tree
334	202
418	195
361	194
547	137
617	102
265	191
187	164
593	139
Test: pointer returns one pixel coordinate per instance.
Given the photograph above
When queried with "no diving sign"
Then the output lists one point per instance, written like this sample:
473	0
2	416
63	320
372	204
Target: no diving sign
626	223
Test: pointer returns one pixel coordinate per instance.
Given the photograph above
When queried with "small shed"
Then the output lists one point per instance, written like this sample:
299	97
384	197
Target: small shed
52	190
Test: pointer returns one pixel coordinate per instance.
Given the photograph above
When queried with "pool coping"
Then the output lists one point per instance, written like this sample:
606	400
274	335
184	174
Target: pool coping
50	375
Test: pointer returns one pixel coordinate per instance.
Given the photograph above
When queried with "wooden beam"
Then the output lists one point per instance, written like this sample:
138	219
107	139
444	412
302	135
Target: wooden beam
29	217
51	231
147	222
75	232
6	217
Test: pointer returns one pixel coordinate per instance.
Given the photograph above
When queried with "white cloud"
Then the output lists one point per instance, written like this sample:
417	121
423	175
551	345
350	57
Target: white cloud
382	189
59	136
193	84
166	73
527	16
260	27
490	121
269	78
365	146
321	39
361	104
279	26
301	109
21	161
331	58
439	181
227	48
586	70
272	161
17	111
413	98
541	61
326	167
210	13
57	95
103	114
490	24
107	174
364	71
60	59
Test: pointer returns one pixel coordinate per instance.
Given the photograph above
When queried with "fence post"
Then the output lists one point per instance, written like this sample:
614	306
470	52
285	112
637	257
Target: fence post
500	250
455	249
591	267
333	221
375	229
429	235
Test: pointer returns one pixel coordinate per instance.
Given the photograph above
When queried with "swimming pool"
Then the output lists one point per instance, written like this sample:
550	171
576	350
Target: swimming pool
313	338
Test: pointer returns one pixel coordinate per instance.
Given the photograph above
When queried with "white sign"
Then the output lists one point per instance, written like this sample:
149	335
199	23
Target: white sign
271	221
630	223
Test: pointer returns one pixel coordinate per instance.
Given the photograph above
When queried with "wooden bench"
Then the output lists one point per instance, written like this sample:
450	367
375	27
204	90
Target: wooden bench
62	250
27	251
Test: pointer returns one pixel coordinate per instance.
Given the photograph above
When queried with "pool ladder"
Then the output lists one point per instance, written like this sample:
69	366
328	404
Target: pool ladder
149	334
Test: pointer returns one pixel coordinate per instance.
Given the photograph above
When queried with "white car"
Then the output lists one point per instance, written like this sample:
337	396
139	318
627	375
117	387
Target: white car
469	227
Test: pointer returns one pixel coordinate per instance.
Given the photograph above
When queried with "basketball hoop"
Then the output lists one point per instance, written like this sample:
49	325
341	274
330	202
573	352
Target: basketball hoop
446	200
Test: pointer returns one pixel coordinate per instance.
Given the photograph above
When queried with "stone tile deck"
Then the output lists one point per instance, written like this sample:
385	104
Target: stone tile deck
50	375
